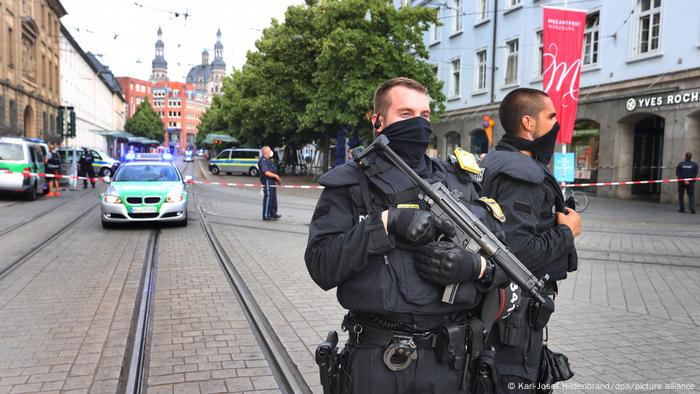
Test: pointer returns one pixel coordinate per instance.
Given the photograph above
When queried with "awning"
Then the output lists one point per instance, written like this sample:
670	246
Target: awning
117	134
143	141
224	138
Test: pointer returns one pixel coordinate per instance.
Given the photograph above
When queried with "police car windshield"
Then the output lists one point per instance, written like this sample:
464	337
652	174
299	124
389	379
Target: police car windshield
146	173
10	151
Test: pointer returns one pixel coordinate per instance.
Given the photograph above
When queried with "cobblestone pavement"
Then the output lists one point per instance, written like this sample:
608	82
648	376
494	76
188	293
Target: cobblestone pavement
202	342
65	313
630	314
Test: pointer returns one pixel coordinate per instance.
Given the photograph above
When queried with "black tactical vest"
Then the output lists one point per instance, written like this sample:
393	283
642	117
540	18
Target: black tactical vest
391	284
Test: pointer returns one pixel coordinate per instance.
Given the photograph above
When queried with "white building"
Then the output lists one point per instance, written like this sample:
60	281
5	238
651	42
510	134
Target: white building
86	86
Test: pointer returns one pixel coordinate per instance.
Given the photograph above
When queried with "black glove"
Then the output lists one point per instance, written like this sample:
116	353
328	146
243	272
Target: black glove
446	263
416	226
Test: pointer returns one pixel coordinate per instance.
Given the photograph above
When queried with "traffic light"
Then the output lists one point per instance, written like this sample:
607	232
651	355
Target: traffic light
71	124
59	121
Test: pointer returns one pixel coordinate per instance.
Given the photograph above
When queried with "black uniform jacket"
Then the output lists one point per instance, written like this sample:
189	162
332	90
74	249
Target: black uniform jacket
687	169
348	247
529	202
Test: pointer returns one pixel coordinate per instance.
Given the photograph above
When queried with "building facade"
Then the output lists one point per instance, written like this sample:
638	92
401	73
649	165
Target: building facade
29	67
180	106
91	90
135	92
639	104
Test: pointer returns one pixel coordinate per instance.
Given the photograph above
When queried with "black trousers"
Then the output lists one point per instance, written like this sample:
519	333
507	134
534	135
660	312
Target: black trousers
369	375
87	172
690	189
269	199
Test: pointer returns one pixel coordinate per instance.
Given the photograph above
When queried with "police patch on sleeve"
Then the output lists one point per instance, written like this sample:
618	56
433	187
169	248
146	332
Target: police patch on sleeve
495	209
467	161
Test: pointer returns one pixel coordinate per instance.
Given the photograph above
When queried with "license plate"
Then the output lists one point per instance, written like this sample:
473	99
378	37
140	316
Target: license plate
144	210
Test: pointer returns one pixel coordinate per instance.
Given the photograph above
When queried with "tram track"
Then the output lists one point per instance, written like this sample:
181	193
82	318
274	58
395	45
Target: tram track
8	268
28	220
134	377
284	369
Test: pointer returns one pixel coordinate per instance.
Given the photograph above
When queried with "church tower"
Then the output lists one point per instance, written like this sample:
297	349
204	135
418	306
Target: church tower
159	65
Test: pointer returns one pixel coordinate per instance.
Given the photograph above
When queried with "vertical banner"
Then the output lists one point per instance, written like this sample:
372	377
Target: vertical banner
562	50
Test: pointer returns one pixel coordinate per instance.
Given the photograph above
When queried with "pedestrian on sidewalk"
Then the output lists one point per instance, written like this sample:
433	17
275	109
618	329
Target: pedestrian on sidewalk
270	179
539	228
86	169
687	169
53	167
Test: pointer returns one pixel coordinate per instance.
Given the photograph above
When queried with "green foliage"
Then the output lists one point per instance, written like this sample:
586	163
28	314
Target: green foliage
317	71
146	123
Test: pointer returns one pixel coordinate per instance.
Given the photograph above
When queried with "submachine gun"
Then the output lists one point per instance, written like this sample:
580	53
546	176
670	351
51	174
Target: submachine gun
471	233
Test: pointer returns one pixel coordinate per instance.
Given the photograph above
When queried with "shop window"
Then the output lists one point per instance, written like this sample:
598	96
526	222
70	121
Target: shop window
585	145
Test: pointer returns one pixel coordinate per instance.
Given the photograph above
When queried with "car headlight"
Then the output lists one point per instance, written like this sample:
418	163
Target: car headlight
174	197
112	199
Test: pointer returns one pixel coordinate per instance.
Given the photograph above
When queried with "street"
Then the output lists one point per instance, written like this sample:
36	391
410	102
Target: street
69	290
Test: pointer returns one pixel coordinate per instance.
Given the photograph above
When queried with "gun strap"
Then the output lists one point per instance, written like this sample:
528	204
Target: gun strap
364	191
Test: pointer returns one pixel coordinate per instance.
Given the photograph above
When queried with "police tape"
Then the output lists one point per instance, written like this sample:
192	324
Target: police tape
256	185
234	184
629	182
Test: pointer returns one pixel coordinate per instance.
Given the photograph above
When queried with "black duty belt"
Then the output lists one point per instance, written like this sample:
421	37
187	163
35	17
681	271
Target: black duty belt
363	333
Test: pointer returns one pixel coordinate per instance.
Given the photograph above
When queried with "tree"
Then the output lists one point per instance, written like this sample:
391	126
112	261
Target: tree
316	72
146	123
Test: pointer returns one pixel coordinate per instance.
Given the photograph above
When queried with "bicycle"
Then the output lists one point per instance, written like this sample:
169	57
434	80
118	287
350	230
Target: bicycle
579	199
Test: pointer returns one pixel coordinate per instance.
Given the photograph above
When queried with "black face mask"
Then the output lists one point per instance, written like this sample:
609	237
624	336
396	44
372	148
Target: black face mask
542	147
409	139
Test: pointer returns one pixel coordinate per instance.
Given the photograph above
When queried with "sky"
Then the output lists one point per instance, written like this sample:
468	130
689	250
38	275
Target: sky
124	32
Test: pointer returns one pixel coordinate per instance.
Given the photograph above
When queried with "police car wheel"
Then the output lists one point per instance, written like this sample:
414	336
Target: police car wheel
106	224
214	170
30	194
253	171
182	223
106	172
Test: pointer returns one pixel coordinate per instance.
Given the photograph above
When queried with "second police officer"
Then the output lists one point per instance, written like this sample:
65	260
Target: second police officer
374	240
86	169
540	230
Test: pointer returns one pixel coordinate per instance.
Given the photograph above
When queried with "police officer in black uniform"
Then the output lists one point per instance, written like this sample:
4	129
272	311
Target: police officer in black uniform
86	169
539	229
270	179
372	238
687	169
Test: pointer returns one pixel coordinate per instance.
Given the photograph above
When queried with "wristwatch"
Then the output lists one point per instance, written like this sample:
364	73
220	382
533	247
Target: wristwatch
487	278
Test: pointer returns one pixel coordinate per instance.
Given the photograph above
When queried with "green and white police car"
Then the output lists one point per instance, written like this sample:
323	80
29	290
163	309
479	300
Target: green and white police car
241	160
22	165
143	191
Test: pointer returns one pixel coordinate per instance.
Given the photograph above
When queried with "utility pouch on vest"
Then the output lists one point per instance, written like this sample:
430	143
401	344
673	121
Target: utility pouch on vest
450	345
513	330
486	375
539	314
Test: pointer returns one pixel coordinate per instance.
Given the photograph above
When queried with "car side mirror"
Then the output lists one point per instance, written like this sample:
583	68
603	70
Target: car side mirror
106	179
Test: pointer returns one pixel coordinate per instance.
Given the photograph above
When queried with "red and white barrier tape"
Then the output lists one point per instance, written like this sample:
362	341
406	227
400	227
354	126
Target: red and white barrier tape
257	185
234	184
629	182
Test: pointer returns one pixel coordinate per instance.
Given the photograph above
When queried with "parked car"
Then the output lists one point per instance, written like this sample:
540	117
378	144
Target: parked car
103	164
21	162
241	160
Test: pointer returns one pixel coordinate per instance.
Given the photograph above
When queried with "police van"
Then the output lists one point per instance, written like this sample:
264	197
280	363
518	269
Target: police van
102	163
21	163
241	161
